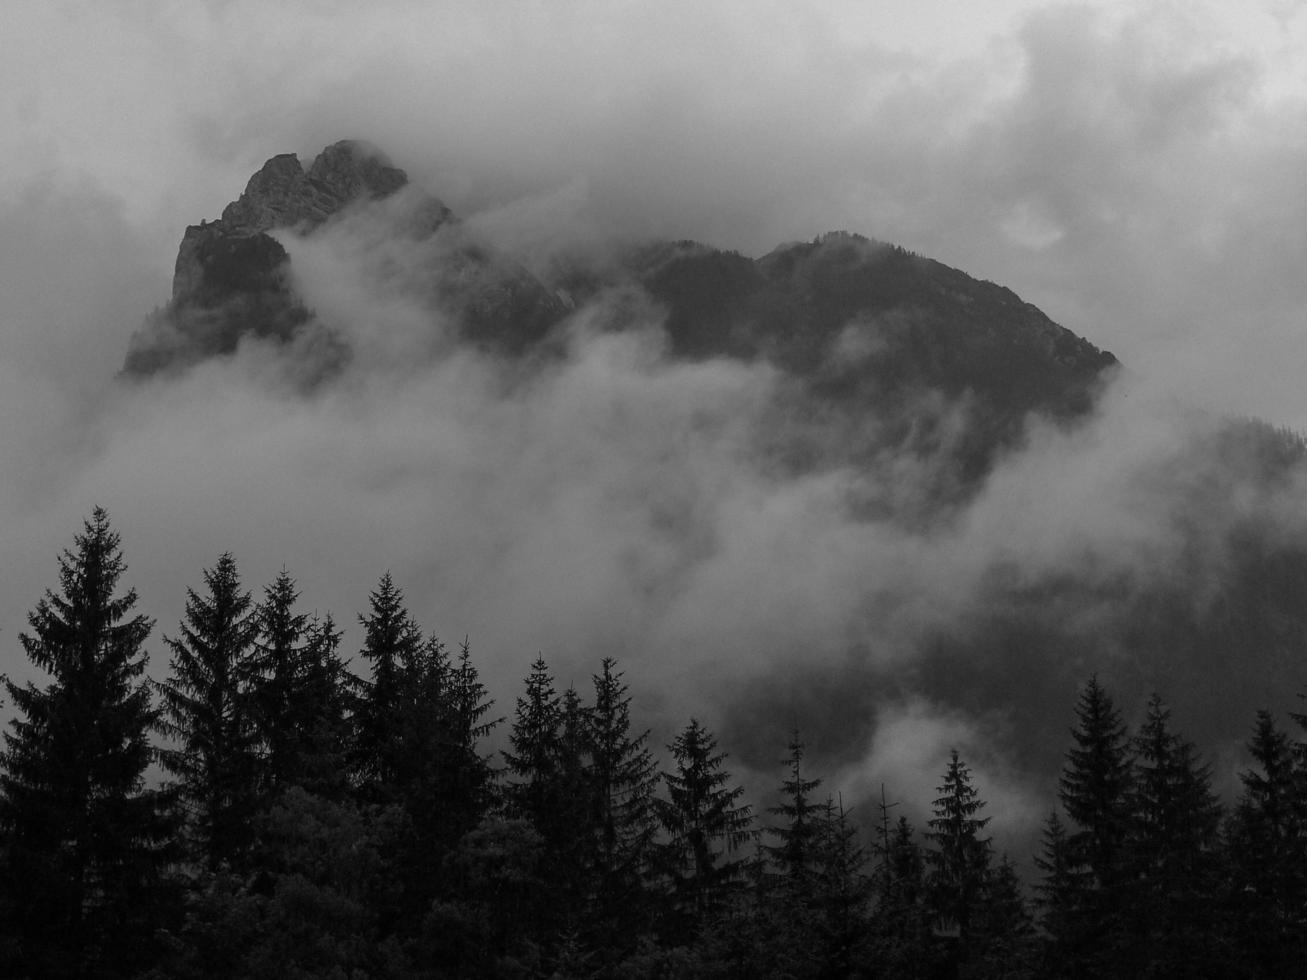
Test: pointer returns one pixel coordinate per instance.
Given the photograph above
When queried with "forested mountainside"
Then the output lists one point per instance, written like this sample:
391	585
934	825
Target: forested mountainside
317	822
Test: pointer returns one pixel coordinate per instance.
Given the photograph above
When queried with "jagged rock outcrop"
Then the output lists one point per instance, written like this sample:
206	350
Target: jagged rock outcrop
283	195
231	278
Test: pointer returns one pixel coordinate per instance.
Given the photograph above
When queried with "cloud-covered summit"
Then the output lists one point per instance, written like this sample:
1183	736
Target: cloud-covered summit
233	280
867	330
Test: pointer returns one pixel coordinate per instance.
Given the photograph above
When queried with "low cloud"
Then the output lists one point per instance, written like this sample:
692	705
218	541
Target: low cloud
1140	183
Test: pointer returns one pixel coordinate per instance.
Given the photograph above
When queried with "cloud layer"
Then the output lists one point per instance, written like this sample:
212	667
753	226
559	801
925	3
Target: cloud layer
1134	169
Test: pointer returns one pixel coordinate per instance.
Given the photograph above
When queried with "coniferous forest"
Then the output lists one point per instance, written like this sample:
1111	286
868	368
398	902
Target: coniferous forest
267	804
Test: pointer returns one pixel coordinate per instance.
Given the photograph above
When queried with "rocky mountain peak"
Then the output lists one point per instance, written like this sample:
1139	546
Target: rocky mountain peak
231	277
283	195
354	168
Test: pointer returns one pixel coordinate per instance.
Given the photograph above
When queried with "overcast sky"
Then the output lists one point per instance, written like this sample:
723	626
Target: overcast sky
1136	169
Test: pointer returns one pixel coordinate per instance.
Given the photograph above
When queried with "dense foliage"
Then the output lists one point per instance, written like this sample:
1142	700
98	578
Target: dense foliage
309	822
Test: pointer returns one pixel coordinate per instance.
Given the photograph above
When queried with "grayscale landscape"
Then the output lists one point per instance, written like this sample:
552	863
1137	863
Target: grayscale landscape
640	490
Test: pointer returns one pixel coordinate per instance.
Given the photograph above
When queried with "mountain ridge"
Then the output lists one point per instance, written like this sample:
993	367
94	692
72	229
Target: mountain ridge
230	281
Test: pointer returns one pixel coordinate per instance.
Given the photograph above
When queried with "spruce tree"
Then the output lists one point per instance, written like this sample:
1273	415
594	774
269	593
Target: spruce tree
623	776
538	796
1172	850
1006	944
1059	893
209	714
705	824
446	782
840	890
793	934
960	859
279	669
1095	789
796	836
534	760
1095	783
901	925
324	697
467	777
88	843
1267	842
392	643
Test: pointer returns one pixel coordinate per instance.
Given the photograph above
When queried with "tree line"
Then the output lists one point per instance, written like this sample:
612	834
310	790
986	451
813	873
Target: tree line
309	820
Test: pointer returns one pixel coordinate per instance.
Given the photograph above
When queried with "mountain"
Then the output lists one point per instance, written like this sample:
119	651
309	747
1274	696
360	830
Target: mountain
864	331
849	310
885	344
232	277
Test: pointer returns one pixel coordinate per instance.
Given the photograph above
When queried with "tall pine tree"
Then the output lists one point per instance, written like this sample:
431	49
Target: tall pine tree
466	776
1267	843
796	835
1060	892
324	697
535	759
89	844
623	777
841	891
901	925
1172	851
279	668
960	859
705	823
392	643
209	714
1095	791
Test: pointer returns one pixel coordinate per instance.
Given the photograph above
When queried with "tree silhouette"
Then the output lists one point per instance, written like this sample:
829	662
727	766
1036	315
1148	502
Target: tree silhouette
279	669
88	843
796	837
209	713
705	823
392	643
1172	859
959	860
1095	789
1267	843
535	759
622	780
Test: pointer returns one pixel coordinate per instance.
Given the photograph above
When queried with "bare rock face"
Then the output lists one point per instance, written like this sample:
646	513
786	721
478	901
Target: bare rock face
280	195
230	279
283	195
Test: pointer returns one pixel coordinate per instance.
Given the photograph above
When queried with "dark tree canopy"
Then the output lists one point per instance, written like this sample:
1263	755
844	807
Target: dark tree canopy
317	823
89	844
959	860
392	647
797	833
209	714
705	826
278	675
536	757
